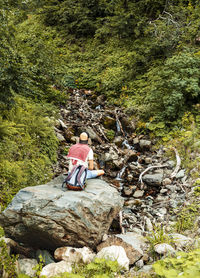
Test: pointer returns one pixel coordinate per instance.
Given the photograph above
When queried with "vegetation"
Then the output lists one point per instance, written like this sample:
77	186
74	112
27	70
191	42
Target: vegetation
99	268
144	55
184	265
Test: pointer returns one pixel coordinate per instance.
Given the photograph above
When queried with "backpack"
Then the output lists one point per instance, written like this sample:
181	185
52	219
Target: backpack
76	179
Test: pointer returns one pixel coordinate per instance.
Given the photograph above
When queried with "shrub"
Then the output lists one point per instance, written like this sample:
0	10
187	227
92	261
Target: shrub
184	265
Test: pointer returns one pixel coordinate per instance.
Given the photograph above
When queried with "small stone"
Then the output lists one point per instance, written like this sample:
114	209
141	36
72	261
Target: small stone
138	193
128	191
163	190
27	266
166	181
172	188
164	248
145	257
180	174
105	237
171	163
148	224
139	263
145	269
153	179
60	137
148	160
145	144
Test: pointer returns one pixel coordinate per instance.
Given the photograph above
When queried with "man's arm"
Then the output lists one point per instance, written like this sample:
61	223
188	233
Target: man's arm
90	164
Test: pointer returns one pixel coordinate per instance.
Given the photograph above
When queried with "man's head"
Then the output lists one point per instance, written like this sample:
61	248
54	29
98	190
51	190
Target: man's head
83	139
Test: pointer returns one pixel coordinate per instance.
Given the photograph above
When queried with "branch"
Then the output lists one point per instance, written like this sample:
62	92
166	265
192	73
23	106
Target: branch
178	164
149	168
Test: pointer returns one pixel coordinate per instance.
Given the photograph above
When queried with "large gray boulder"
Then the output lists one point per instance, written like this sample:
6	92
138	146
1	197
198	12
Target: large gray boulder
47	217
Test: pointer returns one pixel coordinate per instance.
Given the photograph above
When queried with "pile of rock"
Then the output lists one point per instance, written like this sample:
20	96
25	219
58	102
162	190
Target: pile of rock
128	250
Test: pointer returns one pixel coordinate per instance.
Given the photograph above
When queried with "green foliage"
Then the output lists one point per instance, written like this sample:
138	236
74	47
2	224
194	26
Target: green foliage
186	217
99	268
39	266
7	262
27	148
157	236
110	134
185	265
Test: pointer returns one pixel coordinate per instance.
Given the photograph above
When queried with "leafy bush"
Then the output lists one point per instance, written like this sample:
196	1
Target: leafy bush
99	268
28	147
7	262
184	265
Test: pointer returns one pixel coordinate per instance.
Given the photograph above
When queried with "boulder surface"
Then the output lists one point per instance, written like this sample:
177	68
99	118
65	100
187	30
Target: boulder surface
46	216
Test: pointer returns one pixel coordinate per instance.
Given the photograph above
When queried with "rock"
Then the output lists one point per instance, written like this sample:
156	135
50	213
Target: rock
148	224
181	241
47	258
77	218
54	269
60	137
180	174
131	156
164	248
93	135
111	155
74	255
114	253
145	144
146	269
132	243
26	266
68	134
163	190
138	193
118	141
74	139
148	160
139	263
153	179
166	181
109	122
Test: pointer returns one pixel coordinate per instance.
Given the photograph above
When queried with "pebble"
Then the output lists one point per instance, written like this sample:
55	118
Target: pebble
138	193
166	181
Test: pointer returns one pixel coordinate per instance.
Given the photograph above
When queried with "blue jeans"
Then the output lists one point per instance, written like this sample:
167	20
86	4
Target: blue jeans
91	174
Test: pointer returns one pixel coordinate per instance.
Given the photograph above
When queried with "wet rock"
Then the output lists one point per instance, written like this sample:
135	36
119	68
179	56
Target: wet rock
133	244
47	258
114	253
145	144
77	218
27	266
109	122
164	248
166	181
54	269
153	179
138	193
74	255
